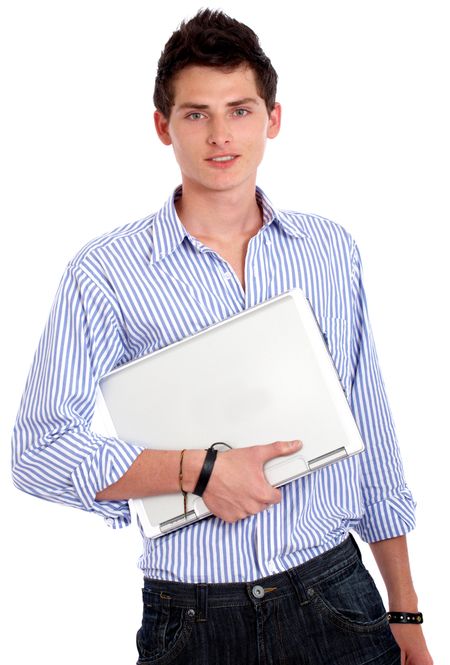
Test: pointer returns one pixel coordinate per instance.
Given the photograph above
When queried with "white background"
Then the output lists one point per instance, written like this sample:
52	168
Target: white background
365	142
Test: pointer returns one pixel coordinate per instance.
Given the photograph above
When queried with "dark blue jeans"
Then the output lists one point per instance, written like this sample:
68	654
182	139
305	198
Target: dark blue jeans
324	612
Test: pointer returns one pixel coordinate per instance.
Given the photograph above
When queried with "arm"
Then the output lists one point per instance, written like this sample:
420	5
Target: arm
56	456
389	508
392	559
237	487
388	505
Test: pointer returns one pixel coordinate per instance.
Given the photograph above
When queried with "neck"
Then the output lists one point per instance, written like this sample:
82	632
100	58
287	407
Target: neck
219	215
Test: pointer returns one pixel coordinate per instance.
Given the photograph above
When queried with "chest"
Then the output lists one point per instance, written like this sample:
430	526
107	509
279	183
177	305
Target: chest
191	290
235	255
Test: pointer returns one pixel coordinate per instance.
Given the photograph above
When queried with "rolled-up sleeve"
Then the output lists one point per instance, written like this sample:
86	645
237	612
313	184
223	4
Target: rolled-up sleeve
55	455
389	508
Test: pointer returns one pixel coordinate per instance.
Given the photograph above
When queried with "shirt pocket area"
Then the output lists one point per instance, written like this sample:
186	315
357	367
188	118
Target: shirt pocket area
336	335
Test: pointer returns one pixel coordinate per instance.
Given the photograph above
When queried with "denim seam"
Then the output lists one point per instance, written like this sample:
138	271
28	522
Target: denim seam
279	632
332	572
263	601
340	620
176	648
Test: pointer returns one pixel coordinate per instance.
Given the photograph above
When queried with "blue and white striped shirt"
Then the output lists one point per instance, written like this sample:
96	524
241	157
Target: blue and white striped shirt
149	284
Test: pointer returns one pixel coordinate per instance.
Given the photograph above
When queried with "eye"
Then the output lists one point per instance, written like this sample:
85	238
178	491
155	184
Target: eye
240	113
195	115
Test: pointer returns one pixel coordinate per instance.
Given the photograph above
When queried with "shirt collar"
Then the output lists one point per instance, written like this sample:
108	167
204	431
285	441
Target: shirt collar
283	218
169	232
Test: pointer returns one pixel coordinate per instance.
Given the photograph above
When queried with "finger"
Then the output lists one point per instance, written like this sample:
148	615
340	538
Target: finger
276	496
279	448
272	497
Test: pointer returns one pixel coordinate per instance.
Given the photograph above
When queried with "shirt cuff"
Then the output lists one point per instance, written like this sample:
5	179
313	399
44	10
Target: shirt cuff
107	464
393	516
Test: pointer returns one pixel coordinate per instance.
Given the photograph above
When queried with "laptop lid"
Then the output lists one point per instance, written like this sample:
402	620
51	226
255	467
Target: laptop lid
260	376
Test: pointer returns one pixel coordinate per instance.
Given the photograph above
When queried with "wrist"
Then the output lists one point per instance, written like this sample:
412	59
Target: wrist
192	465
403	602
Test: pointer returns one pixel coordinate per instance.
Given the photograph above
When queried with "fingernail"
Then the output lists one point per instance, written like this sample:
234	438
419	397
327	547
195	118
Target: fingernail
294	444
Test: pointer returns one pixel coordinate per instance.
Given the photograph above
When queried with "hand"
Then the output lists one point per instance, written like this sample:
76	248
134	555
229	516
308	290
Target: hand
238	487
411	641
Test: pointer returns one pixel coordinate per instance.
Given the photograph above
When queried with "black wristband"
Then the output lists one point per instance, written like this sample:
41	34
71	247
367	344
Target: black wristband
405	617
205	473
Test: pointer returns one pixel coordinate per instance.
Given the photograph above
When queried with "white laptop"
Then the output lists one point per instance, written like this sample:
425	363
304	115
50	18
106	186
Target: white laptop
260	376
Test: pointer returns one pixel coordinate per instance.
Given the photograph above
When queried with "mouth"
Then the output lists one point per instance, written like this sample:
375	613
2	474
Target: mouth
225	158
222	160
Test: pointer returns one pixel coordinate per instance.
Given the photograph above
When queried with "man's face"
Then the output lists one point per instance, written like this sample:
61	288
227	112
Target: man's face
218	128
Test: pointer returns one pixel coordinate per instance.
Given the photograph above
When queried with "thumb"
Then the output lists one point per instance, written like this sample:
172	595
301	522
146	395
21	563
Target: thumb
282	448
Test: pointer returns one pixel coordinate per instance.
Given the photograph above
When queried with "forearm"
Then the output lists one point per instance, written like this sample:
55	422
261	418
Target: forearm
237	487
392	559
155	472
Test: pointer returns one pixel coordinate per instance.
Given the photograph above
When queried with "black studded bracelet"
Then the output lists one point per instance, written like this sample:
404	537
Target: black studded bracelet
405	617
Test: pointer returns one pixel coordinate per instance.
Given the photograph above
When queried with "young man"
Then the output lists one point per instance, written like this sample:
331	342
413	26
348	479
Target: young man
273	576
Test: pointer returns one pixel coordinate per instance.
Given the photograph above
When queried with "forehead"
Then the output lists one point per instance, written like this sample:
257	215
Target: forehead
199	84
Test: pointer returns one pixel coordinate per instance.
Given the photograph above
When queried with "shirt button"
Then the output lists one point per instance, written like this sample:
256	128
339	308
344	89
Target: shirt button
258	591
227	275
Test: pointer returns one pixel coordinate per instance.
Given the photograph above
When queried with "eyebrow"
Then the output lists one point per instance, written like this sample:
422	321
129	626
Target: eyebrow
202	107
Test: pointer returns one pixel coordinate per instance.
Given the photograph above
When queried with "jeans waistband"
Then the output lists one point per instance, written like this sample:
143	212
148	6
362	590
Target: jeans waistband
295	580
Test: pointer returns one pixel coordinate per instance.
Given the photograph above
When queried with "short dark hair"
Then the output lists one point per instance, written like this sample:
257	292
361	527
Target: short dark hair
213	39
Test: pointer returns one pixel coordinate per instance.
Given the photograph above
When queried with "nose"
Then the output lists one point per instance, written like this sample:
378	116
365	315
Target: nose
219	133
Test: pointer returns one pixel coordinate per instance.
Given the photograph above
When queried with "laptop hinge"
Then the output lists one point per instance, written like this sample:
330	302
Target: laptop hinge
176	522
323	460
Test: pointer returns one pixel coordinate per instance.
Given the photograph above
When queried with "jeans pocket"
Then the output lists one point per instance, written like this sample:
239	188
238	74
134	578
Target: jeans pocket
350	600
165	629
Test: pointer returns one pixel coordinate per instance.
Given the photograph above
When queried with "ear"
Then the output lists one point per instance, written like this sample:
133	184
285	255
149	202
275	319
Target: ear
274	121
162	127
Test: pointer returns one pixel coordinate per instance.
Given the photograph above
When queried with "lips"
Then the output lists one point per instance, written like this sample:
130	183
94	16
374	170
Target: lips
222	160
226	158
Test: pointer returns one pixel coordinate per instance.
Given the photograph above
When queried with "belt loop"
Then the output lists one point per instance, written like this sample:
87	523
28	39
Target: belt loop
299	588
356	546
202	602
